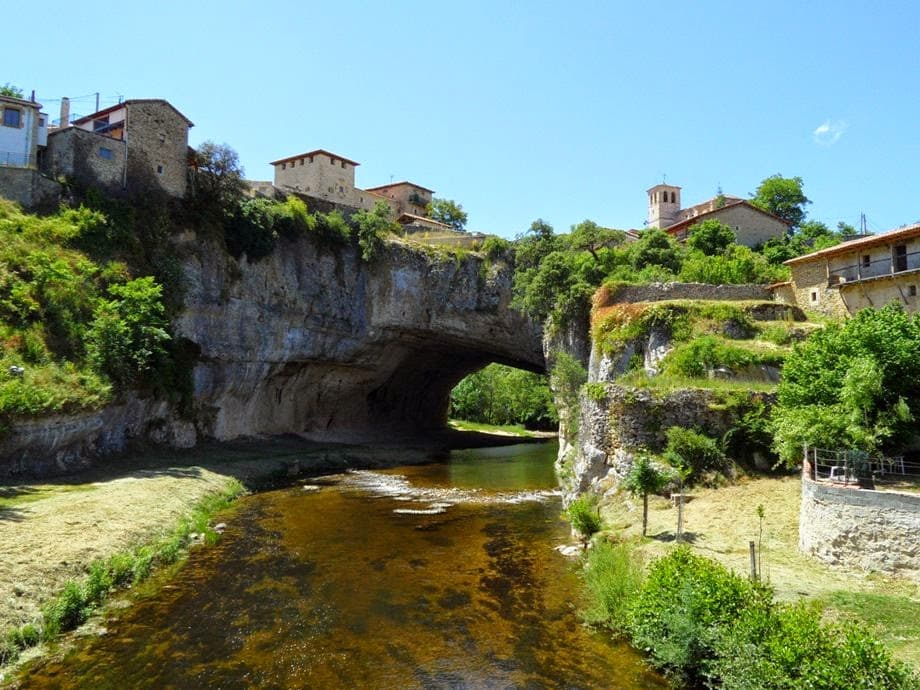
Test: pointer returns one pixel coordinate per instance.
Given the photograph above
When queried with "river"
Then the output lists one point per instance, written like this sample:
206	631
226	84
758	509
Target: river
442	575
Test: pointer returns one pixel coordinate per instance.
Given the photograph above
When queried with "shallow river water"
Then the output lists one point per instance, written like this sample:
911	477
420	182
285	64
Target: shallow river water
434	576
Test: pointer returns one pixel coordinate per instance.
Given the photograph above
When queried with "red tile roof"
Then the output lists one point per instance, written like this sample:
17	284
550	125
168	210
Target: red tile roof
702	215
400	184
333	156
118	106
904	233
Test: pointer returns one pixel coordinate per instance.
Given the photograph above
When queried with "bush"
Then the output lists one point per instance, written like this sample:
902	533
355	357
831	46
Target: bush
250	229
612	574
497	249
682	608
692	451
127	338
67	612
584	515
372	227
333	227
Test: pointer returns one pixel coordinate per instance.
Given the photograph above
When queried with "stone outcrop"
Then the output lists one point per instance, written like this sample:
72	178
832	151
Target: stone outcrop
308	340
311	339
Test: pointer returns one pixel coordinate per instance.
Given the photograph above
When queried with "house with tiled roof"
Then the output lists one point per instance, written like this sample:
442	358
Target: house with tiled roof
135	145
752	225
866	272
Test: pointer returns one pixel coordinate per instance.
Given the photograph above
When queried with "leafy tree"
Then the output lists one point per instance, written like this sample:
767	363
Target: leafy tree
656	248
535	243
710	237
736	265
590	237
643	479
851	386
10	91
372	227
128	335
447	211
783	197
498	394
219	176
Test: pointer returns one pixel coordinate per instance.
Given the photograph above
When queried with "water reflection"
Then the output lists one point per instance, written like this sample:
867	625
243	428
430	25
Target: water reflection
334	588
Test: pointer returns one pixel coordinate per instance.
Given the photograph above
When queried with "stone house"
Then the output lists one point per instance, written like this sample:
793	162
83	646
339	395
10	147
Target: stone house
329	177
410	198
129	146
866	272
752	226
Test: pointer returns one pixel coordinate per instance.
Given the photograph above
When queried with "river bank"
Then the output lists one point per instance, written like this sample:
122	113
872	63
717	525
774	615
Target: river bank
53	530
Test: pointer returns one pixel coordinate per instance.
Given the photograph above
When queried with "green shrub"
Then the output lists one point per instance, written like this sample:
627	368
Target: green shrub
333	228
682	609
250	229
126	340
612	575
497	248
67	611
566	379
584	515
98	583
692	451
786	646
701	355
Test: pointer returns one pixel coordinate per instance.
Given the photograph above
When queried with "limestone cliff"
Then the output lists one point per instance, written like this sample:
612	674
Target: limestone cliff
310	339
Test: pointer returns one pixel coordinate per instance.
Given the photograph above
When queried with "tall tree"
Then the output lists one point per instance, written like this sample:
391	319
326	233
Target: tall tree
783	197
10	91
449	212
643	479
710	237
589	236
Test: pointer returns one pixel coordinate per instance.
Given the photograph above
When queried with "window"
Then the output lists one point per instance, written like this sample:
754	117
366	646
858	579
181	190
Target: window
814	295
866	261
108	154
159	170
673	198
301	161
283	166
41	121
12	117
343	165
900	257
912	290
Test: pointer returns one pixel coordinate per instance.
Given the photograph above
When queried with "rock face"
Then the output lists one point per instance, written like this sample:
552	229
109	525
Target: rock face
312	339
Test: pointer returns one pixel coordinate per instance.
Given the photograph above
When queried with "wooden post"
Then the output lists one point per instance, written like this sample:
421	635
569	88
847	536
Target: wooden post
753	561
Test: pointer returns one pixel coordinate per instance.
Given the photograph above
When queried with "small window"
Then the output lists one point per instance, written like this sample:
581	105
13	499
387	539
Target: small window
814	295
283	166
343	165
159	170
332	161
12	117
301	161
108	154
673	198
866	261
41	121
912	290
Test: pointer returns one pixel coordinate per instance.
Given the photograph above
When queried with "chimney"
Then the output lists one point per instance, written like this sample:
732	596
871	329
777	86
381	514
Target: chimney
65	111
33	95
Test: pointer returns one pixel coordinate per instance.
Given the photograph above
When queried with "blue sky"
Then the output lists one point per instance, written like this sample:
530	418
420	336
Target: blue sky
523	110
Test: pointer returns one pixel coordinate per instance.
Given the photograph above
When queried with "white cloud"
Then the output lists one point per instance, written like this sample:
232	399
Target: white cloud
829	132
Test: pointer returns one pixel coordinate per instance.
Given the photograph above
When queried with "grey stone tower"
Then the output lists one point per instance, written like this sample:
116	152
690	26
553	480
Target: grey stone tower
663	205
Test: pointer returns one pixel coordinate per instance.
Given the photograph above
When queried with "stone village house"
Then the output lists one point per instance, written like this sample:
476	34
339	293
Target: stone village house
125	147
752	226
23	137
865	272
330	177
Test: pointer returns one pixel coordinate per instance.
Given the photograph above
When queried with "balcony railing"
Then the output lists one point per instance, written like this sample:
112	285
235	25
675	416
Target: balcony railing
14	159
876	268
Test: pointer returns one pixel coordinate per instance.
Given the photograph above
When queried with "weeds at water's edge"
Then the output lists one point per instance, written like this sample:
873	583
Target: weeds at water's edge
73	606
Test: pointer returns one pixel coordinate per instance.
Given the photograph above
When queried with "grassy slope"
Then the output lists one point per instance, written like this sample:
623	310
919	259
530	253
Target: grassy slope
722	521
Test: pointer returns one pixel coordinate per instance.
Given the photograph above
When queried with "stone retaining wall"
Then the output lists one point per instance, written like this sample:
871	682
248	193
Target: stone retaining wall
858	528
656	292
